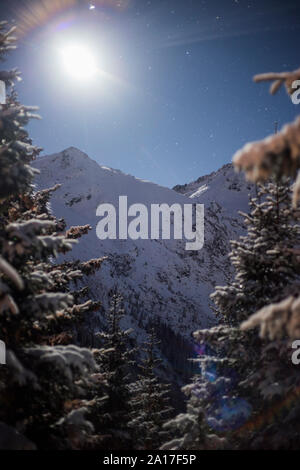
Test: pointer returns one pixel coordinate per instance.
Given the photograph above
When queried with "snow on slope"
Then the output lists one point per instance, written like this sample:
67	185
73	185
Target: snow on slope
224	187
159	279
224	193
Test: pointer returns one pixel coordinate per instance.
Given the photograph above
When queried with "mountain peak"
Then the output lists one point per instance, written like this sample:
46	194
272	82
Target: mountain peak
224	186
68	159
74	151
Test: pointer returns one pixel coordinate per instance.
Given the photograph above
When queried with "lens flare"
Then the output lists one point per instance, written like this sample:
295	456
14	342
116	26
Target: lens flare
226	411
40	13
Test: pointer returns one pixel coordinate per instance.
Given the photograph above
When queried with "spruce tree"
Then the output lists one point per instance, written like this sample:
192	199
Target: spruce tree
115	359
264	266
239	377
277	379
150	402
46	377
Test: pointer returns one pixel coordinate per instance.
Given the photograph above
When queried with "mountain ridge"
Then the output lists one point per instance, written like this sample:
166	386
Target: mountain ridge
162	283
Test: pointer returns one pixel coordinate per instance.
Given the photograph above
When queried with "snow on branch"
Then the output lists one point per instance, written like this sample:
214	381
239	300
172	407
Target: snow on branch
69	360
77	232
278	79
91	266
276	154
25	240
50	302
76	418
26	231
7	303
11	273
19	373
277	319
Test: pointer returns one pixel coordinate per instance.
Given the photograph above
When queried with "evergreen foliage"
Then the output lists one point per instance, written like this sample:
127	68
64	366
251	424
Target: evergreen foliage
150	401
248	388
46	373
116	363
242	376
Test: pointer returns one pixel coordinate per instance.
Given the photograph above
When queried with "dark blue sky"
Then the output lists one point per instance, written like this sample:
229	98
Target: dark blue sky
177	99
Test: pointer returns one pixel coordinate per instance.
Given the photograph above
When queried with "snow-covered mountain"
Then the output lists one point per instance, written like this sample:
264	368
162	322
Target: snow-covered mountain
224	187
161	282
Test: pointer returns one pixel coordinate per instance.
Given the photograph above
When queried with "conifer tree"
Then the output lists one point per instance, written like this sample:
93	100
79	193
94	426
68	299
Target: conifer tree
44	375
239	377
150	401
116	363
277	379
263	264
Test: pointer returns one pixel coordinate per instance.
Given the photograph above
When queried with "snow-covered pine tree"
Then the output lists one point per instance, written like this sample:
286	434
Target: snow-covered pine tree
279	154
150	406
39	378
264	265
115	359
64	328
190	430
264	271
271	382
227	391
277	378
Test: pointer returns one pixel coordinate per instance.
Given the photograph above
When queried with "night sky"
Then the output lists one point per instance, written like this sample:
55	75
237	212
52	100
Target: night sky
175	97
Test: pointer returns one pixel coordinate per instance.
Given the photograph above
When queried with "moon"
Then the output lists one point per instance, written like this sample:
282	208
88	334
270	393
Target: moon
79	62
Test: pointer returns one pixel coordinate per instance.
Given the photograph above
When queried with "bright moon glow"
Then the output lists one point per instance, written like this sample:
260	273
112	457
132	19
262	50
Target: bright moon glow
79	62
